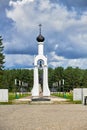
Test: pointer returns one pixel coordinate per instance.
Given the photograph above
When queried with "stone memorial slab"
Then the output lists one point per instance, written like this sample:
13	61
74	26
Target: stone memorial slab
80	94
77	94
3	95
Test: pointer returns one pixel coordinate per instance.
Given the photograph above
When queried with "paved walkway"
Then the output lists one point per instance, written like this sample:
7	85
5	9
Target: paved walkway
53	99
43	117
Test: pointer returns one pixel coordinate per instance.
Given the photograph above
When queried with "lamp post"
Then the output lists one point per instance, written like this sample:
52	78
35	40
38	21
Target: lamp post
0	66
16	85
15	88
63	82
59	86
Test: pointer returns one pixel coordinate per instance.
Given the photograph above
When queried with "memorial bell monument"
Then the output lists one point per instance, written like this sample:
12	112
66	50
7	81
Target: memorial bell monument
40	61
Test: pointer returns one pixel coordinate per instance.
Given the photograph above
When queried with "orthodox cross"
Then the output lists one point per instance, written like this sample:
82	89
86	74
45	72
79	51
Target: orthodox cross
40	25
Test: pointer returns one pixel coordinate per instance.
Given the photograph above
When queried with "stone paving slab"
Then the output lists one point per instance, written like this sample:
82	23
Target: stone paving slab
43	117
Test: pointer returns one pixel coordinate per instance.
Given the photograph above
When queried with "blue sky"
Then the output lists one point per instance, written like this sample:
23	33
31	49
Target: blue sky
64	28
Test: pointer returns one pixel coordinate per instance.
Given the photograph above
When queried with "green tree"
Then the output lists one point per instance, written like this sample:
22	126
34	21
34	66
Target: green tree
1	62
58	74
68	75
24	75
73	78
77	77
85	79
50	77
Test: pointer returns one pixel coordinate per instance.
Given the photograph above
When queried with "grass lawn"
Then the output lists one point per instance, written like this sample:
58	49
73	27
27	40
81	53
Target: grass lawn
67	95
13	96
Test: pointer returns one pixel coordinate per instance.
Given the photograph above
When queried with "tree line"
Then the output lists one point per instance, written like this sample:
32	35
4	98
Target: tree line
73	77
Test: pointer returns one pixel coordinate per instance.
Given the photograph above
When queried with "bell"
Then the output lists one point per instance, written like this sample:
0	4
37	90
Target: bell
40	64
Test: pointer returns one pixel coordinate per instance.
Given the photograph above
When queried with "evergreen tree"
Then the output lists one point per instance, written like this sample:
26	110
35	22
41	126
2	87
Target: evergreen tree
1	62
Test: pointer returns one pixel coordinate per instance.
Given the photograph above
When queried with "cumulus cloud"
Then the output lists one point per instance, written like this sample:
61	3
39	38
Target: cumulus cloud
56	61
64	30
20	61
77	4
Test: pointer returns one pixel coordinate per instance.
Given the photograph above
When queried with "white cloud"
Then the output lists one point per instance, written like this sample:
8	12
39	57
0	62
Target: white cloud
19	2
18	61
65	30
32	13
81	63
56	61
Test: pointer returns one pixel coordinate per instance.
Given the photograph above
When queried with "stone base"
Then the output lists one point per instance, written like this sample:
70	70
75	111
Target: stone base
40	99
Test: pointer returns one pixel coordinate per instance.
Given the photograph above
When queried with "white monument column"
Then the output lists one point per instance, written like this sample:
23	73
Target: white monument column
46	91
35	90
40	48
43	63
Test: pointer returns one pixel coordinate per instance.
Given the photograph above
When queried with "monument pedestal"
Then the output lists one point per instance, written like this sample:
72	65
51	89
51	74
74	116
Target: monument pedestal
41	99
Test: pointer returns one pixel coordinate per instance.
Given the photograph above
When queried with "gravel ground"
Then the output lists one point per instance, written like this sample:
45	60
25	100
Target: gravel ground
43	117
